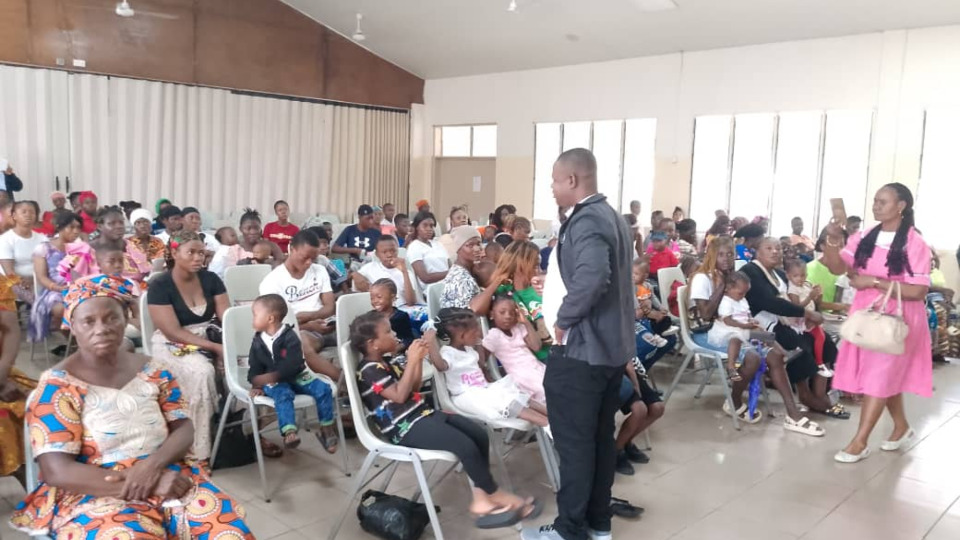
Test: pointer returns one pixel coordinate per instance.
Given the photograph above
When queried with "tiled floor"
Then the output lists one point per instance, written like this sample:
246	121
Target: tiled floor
705	480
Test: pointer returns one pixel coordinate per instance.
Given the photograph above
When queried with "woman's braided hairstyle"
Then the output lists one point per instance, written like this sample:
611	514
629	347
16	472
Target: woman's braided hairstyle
897	261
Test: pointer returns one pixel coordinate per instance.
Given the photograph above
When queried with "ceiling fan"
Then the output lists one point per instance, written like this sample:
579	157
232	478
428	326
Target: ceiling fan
124	9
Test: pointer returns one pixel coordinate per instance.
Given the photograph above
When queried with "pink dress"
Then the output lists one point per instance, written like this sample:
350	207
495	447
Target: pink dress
522	366
875	374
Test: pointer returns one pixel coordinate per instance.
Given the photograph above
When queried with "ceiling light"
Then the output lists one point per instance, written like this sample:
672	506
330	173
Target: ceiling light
124	9
513	6
654	6
359	35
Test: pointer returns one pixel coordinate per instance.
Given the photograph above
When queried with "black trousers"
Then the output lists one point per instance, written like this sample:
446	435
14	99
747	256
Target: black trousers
464	438
584	401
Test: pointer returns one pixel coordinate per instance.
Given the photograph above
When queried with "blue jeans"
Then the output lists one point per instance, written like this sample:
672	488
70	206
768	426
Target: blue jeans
284	393
647	353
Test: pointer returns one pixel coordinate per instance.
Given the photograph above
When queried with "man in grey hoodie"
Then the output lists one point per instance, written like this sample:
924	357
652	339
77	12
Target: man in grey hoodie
594	339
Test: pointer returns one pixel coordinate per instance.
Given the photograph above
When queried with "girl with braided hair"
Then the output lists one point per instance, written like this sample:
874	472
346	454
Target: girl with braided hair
468	383
892	251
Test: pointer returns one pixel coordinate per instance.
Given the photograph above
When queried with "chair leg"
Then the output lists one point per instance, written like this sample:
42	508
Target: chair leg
728	395
427	498
223	424
501	462
543	444
357	486
344	454
256	441
646	438
419	491
708	373
394	465
676	378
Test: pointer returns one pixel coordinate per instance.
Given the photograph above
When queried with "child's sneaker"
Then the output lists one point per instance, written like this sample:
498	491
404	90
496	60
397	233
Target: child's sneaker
672	331
824	371
651	338
661	343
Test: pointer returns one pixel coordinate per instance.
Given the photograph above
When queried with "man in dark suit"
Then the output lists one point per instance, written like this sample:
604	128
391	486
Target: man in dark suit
594	339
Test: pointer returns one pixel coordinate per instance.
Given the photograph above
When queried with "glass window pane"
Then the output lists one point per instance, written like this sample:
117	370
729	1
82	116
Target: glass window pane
545	154
576	135
456	141
606	148
797	171
846	157
484	141
711	162
638	163
939	188
752	178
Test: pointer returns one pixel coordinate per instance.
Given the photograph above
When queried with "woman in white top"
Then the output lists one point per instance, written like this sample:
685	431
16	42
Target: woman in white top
18	244
429	259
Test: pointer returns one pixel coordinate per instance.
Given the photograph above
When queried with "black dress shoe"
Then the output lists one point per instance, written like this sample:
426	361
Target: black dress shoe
623	508
636	455
623	464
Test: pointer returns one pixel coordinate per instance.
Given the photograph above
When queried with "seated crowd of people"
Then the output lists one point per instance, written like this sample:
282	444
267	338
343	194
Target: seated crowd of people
80	272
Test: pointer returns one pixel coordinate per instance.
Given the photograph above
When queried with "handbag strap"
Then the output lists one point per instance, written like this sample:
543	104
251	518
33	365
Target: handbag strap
880	304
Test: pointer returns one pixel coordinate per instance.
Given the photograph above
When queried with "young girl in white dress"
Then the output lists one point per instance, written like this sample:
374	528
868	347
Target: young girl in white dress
471	390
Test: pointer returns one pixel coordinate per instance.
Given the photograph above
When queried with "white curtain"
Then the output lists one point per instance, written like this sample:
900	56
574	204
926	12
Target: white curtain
214	149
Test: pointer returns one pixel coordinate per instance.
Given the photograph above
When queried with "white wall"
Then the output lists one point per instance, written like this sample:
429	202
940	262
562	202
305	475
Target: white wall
898	74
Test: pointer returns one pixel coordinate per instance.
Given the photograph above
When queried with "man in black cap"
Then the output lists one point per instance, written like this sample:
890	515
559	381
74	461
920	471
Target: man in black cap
359	239
172	219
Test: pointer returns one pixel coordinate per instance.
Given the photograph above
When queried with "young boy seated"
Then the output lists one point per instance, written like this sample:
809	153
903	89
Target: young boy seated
492	252
661	257
642	406
383	297
278	370
336	269
402	223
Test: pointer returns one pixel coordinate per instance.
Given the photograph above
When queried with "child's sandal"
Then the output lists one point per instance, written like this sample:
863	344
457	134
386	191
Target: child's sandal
291	440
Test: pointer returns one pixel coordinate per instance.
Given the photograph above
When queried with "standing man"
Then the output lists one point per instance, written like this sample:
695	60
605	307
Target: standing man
594	341
11	182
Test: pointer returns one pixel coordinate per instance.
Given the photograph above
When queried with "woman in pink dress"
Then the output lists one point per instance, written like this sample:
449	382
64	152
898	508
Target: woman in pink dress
893	251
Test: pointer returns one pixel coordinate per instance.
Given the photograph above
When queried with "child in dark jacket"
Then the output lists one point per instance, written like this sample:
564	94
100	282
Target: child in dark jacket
278	370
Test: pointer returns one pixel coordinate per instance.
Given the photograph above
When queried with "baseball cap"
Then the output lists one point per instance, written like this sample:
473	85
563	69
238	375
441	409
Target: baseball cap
656	236
364	210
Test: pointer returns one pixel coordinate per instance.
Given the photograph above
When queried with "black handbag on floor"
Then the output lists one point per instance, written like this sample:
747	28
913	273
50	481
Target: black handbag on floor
391	517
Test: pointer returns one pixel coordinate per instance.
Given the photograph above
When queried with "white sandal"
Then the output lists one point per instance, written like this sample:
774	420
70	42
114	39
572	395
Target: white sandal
845	457
742	413
805	426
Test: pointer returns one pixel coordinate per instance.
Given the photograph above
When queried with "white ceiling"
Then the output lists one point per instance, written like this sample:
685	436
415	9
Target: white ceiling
447	38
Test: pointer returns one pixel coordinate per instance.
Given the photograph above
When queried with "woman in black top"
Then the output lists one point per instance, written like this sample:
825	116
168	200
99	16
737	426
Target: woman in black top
768	301
183	302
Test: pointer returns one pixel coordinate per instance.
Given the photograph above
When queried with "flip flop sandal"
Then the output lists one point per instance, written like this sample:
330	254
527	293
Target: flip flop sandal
270	449
499	517
733	375
740	410
837	411
291	443
536	508
804	426
757	416
328	442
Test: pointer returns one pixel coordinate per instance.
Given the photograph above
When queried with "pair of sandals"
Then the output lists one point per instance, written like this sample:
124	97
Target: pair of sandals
508	516
292	440
743	413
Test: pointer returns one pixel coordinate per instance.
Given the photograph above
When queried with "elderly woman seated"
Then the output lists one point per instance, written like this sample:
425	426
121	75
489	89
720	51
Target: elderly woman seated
110	430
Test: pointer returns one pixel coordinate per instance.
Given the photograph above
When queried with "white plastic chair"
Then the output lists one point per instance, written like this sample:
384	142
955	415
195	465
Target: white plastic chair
434	292
377	448
547	452
147	328
665	278
693	349
237	336
541	242
351	306
739	263
158	265
243	282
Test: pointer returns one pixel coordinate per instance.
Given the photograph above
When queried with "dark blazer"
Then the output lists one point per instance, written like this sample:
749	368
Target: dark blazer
595	255
286	357
763	296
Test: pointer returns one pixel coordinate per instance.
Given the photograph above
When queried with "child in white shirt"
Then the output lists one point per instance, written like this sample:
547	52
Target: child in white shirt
734	322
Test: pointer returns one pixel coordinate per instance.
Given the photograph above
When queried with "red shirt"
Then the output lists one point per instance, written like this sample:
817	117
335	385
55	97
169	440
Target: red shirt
279	234
662	259
89	224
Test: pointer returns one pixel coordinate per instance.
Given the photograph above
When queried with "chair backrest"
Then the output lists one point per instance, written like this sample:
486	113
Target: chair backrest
666	277
348	361
237	336
443	394
147	327
349	307
243	281
434	291
158	265
683	310
402	253
739	263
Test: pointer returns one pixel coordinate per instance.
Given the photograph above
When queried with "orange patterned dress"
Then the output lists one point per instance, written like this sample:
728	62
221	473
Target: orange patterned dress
114	429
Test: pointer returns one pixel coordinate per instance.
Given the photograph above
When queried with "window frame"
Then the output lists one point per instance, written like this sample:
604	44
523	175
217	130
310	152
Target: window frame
438	140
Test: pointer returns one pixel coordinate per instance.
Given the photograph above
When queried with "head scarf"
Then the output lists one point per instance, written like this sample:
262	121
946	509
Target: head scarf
156	207
461	235
58	195
89	287
140	213
84	195
421	203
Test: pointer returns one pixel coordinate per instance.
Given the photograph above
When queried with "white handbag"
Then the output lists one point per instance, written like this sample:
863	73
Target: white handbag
874	329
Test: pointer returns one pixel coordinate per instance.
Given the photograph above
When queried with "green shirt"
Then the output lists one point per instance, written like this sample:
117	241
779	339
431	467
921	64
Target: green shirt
530	304
819	274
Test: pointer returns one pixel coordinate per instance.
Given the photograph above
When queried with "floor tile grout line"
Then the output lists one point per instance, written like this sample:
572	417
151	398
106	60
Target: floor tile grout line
942	514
